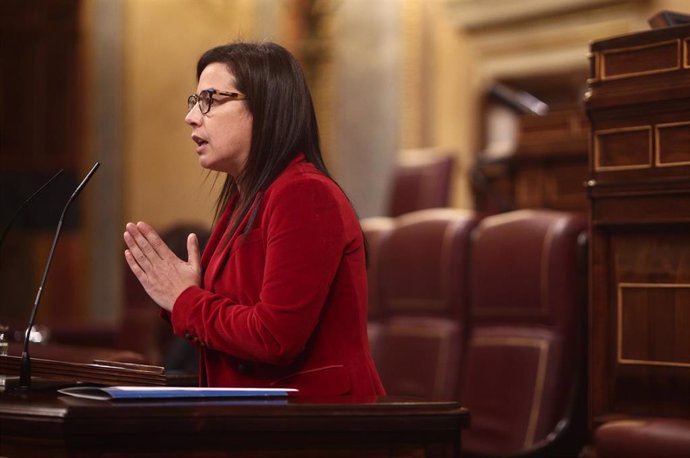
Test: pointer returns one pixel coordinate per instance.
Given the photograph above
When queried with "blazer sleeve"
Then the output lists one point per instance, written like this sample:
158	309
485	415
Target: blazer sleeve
304	231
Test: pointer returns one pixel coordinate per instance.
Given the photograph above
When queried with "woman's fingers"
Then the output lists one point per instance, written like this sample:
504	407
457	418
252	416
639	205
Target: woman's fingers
136	252
135	267
142	242
154	241
193	252
162	274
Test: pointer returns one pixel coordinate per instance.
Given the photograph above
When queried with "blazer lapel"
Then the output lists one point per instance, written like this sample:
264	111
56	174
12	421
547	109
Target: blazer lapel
217	257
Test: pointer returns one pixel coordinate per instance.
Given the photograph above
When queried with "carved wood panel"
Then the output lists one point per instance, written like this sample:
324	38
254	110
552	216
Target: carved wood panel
639	191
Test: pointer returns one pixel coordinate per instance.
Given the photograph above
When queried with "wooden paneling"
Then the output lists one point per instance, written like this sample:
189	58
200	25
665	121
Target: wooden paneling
548	168
672	146
653	319
41	132
39	113
639	191
625	148
640	60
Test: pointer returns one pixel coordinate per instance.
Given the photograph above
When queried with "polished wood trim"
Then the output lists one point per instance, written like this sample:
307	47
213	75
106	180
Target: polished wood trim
606	53
597	149
597	65
657	144
619	314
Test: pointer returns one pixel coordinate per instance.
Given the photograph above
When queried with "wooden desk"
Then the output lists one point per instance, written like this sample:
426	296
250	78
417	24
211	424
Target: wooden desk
43	423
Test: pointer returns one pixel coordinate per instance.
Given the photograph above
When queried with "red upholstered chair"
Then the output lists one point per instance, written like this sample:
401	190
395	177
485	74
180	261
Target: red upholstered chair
375	230
419	356
643	437
422	181
421	274
525	352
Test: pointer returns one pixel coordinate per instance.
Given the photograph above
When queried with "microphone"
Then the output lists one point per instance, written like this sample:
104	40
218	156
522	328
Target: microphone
7	227
25	368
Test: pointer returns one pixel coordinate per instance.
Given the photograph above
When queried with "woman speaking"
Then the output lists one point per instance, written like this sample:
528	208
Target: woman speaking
279	297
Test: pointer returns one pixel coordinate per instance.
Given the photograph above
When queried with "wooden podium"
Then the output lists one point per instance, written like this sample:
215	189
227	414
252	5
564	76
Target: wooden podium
638	104
42	423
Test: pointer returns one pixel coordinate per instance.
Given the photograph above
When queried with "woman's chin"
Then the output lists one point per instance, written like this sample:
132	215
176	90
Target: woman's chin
205	163
211	165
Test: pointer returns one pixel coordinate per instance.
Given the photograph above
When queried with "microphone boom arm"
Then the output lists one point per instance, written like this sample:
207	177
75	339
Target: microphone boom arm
7	227
25	368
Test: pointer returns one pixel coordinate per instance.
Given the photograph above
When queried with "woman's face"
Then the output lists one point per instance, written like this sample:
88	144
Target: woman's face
223	135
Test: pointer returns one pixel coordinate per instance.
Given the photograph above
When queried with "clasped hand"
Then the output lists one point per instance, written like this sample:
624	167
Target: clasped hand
162	274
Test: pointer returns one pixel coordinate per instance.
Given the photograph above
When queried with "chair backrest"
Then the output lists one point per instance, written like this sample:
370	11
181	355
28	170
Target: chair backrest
422	264
526	341
421	183
421	274
375	230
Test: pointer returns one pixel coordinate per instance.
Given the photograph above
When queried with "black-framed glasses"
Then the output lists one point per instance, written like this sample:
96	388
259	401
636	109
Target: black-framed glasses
205	99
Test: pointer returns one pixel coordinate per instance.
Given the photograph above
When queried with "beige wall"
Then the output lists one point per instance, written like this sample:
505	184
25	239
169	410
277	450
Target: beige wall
453	117
681	6
441	67
163	39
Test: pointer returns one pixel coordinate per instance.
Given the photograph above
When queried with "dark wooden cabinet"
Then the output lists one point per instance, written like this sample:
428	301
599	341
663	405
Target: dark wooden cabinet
638	104
548	168
551	161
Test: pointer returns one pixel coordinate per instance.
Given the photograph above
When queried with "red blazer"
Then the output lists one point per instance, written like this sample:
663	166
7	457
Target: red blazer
285	305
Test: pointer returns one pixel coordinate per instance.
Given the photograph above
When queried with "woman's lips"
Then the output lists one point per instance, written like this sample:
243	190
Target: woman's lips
200	142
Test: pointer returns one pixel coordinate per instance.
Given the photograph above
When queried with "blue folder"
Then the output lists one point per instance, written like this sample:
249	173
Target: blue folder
158	392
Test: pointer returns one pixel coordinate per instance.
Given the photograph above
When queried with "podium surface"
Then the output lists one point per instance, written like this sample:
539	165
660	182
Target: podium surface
41	422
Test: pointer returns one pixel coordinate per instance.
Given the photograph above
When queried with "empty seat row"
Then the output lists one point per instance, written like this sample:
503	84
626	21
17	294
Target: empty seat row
490	311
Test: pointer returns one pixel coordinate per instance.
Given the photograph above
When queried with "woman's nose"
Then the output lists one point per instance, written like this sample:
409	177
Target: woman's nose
194	116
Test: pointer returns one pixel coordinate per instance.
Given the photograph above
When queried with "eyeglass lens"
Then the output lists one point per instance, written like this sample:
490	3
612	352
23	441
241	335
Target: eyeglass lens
203	99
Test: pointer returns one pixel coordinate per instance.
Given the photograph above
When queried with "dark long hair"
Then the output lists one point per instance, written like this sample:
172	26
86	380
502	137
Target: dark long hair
284	122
